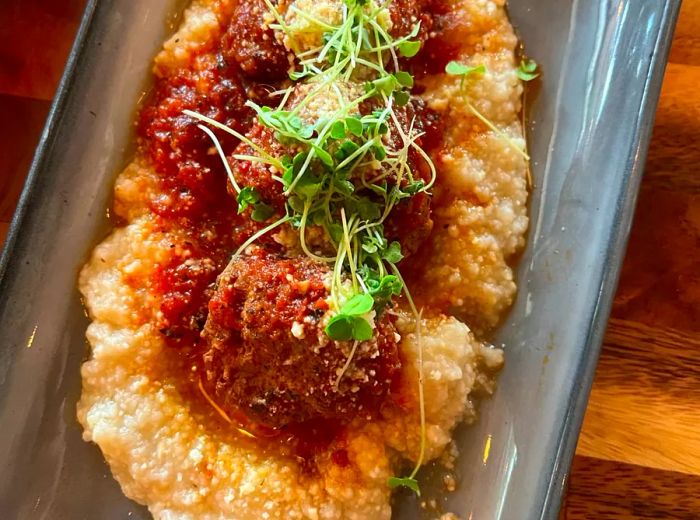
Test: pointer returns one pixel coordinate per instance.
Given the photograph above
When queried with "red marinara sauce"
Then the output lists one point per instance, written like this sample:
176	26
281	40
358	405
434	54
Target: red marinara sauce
193	197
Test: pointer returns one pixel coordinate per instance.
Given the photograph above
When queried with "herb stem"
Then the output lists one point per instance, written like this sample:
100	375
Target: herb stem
260	233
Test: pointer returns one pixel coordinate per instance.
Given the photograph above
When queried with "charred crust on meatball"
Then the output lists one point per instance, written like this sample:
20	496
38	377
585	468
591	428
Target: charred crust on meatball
267	354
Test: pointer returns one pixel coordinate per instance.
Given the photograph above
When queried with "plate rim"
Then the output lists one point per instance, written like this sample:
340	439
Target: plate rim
568	432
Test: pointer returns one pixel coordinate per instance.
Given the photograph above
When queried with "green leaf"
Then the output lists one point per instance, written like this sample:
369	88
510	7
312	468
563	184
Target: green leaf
323	155
528	65
344	328
308	185
340	328
370	276
370	246
402	98
346	149
306	131
294	122
386	84
335	231
344	186
382	291
368	209
406	482
354	125
288	176
338	130
296	204
262	212
298	162
296	76
393	253
247	197
404	79
413	187
390	285
293	166
361	329
379	152
454	68
409	49
526	70
357	305
317	217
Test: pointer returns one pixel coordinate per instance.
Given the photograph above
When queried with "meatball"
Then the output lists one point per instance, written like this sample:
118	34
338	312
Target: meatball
267	354
258	175
251	44
410	221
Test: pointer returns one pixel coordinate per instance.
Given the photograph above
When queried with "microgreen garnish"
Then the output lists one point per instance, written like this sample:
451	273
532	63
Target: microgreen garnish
262	212
361	39
526	70
409	48
455	68
348	323
407	482
247	197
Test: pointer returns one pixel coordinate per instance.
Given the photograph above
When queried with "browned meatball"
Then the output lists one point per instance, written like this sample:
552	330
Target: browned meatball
268	355
251	44
256	174
410	221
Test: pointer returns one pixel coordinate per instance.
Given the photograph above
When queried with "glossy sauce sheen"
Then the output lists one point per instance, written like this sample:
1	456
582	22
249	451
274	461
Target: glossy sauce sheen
195	199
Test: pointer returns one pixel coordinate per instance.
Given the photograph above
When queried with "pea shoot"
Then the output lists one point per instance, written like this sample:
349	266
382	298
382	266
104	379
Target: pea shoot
349	323
407	482
455	68
527	70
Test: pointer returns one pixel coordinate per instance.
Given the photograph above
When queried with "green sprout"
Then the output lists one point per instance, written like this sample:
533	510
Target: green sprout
526	70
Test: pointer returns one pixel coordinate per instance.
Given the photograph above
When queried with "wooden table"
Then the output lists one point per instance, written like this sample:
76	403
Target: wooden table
639	452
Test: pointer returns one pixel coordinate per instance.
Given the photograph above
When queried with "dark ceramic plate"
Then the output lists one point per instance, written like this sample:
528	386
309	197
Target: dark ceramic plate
589	128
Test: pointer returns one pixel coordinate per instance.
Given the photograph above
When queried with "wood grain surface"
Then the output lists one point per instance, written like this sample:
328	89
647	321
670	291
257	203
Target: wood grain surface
639	452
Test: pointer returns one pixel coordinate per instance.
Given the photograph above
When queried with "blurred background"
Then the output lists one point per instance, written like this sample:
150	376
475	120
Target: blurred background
639	452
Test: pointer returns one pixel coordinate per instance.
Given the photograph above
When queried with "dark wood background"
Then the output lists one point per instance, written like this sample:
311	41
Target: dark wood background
639	452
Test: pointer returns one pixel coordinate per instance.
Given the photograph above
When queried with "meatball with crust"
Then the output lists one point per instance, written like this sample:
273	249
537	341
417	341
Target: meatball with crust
252	44
267	353
258	175
410	221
